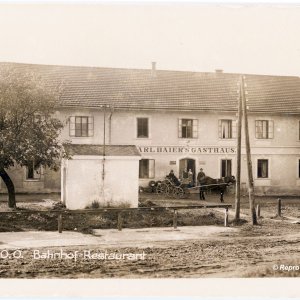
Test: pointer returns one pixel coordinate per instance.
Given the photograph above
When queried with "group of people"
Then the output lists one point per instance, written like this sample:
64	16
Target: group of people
188	180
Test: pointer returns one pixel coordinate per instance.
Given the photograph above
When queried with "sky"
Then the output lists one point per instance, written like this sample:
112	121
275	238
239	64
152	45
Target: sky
237	38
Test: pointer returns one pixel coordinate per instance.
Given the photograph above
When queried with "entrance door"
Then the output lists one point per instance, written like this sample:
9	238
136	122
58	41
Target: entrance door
185	165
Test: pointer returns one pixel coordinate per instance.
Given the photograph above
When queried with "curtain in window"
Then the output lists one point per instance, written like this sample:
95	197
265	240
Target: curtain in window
226	129
151	168
264	129
262	168
142	127
147	168
226	167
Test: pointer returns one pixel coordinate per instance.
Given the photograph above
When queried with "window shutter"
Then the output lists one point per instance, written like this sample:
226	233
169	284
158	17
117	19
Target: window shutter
271	129
195	128
256	129
220	128
91	126
179	128
234	126
229	167
140	168
72	126
151	168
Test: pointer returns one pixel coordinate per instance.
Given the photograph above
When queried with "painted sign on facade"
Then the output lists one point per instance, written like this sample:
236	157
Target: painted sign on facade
187	149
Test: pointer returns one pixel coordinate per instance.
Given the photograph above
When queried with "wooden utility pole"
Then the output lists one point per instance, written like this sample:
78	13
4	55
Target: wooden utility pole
238	155
104	133
248	152
104	153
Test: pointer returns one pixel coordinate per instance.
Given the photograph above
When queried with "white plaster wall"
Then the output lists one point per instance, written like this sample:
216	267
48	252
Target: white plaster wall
84	184
286	130
97	114
283	151
164	128
121	182
283	174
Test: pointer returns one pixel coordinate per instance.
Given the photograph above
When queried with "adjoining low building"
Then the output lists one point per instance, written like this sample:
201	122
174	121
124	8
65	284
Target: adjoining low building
177	120
104	176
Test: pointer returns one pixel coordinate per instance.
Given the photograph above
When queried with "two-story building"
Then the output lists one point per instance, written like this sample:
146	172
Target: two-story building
178	120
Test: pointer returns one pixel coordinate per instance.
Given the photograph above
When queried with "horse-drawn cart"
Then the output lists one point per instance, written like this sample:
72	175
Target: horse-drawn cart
170	189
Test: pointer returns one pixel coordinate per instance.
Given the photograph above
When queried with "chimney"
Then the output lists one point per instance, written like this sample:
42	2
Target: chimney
153	71
218	70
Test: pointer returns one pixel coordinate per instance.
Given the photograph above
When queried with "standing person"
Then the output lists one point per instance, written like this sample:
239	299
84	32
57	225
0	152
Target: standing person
190	177
200	177
185	177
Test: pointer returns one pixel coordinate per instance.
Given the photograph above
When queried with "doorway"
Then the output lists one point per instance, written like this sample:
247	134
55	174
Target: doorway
185	165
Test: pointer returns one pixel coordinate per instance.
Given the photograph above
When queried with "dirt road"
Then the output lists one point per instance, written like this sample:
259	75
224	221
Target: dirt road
267	250
242	253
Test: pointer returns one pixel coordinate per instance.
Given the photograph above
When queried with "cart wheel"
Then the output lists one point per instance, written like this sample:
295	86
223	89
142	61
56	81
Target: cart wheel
181	193
158	188
178	192
172	190
162	188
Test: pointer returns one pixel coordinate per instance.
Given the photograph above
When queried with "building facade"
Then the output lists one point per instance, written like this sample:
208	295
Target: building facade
180	121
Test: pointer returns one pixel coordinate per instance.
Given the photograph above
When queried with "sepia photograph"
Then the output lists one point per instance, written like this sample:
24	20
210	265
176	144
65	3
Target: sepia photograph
149	140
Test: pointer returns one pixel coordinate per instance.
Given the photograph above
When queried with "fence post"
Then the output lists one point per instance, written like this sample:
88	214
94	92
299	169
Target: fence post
279	207
258	210
119	221
175	219
60	221
226	217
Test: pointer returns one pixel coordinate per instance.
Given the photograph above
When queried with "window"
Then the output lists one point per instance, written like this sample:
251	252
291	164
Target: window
33	172
81	126
188	128
299	168
262	168
227	129
146	168
142	128
226	167
264	129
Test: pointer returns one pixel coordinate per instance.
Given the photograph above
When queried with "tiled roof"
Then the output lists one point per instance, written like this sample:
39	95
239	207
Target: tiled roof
176	90
110	150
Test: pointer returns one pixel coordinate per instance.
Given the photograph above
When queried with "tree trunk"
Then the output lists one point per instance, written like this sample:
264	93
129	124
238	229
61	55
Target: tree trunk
10	188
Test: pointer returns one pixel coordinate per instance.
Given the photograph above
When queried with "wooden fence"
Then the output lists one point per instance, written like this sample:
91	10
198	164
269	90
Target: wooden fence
121	211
